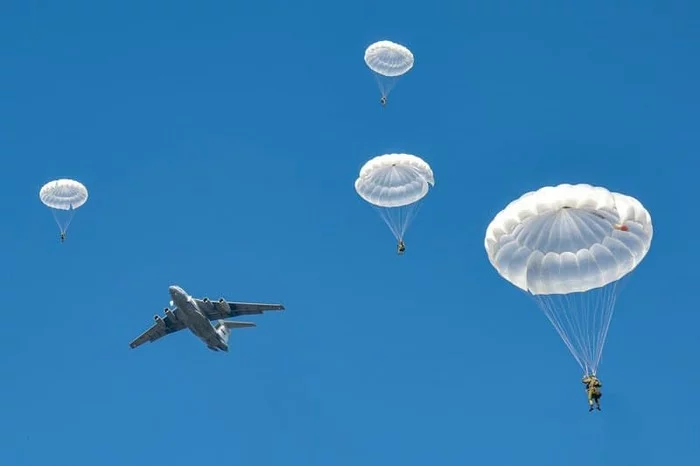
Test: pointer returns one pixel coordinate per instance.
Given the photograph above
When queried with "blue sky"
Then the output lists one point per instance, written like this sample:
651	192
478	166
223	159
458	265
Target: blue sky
220	143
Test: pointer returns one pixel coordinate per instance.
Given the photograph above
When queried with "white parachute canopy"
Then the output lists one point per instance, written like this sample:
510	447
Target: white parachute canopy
569	246
63	197
395	184
388	61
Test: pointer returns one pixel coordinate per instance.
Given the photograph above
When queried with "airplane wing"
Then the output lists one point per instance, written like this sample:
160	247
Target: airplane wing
158	330
222	309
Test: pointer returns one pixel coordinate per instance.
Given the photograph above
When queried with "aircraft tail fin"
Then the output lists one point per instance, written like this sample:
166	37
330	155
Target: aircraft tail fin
223	327
229	324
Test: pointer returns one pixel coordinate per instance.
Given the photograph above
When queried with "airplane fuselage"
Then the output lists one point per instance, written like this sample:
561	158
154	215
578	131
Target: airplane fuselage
188	311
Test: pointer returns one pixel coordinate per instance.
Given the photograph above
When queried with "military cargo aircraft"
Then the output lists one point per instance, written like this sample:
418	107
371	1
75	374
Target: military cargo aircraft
196	315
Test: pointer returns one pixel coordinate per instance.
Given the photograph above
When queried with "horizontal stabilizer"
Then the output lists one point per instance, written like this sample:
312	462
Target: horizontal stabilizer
232	324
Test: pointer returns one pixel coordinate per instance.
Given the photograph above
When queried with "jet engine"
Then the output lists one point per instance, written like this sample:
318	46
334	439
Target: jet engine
169	314
158	320
205	300
223	307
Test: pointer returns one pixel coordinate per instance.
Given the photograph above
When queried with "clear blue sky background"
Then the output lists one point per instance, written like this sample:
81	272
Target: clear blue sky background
220	142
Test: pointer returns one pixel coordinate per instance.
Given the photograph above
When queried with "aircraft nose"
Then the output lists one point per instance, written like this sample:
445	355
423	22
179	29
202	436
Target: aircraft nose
174	290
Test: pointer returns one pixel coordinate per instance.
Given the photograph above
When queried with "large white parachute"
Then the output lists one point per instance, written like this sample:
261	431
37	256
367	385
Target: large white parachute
388	61
63	197
395	184
569	246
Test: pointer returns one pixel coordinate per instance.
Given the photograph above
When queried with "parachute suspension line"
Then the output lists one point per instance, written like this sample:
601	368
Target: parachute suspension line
566	322
411	213
398	219
393	216
582	320
385	83
65	222
385	214
609	300
550	311
608	307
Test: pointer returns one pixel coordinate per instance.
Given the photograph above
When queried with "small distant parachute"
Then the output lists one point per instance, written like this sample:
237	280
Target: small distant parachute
395	184
388	61
63	197
569	246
